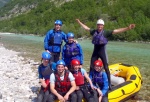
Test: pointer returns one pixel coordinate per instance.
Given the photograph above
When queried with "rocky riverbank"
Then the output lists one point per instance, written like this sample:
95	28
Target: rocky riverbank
18	80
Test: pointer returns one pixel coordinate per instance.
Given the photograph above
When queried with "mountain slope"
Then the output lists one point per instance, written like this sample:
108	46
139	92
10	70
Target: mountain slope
40	18
3	2
17	7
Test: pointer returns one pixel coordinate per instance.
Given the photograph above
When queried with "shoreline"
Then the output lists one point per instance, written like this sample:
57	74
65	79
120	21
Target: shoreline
19	82
83	38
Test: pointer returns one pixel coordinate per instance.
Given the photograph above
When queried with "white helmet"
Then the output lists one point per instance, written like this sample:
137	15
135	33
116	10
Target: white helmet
100	21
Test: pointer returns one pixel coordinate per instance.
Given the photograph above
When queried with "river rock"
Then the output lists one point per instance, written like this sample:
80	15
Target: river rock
18	82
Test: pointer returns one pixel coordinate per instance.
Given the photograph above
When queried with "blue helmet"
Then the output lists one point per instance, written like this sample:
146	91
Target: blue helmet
60	62
70	35
46	55
59	22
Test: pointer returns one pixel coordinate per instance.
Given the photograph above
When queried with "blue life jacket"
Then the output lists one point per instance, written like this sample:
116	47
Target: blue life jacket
46	71
99	39
72	50
97	78
56	38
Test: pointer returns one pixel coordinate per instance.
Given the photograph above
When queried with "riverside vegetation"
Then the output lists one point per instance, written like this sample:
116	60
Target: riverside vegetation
37	16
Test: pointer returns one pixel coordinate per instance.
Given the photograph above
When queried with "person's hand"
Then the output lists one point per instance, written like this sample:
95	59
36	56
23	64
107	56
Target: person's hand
66	68
99	92
131	26
92	87
78	20
75	41
66	97
43	84
77	88
48	51
61	98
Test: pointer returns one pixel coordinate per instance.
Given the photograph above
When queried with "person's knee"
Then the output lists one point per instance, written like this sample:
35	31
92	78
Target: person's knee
91	99
80	94
40	98
47	93
51	98
74	96
105	99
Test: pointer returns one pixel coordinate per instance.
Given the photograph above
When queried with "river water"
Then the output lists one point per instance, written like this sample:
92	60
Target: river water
137	54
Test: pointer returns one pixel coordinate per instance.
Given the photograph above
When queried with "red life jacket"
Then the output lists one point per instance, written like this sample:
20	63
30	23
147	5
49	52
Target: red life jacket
62	85
79	78
48	85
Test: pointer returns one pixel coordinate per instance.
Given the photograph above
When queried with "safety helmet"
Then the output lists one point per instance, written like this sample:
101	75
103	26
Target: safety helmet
60	62
100	21
98	63
46	55
75	62
59	22
70	35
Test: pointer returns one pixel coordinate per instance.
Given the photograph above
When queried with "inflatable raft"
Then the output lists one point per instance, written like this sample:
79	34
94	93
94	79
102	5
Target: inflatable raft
127	89
130	87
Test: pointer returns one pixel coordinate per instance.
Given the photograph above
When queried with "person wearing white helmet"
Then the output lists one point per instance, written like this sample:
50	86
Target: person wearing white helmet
100	40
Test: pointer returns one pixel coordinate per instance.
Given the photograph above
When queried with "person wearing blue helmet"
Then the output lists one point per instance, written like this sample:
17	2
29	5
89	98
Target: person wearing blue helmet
62	84
53	41
72	50
44	70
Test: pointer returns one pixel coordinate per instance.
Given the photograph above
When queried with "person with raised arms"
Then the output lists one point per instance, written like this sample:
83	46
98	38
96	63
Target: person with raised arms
100	41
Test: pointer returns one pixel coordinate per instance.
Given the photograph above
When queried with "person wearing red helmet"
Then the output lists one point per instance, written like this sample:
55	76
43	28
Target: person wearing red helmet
100	41
80	75
100	81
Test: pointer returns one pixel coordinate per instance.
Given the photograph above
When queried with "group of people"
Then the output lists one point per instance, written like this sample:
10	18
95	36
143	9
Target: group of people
65	79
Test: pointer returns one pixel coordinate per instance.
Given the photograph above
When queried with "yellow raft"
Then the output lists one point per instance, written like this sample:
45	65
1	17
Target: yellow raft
130	87
127	89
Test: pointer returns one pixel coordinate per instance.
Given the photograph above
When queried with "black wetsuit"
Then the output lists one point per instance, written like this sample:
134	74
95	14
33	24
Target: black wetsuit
100	52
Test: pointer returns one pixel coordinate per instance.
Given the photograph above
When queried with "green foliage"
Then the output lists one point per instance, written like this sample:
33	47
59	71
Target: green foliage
116	13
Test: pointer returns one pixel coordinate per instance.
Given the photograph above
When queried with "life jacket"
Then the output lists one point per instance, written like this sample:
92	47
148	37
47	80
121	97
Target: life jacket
97	78
48	85
56	38
98	38
72	50
46	72
79	78
62	86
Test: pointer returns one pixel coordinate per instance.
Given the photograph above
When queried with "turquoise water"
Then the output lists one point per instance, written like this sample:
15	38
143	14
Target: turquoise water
137	54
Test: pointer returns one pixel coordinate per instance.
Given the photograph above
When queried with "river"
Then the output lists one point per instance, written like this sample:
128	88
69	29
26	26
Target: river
137	54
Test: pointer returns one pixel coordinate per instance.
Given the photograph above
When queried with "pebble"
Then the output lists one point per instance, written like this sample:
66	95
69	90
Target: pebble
18	80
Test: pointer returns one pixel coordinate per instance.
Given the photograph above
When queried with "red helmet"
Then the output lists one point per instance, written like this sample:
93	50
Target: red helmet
75	62
98	63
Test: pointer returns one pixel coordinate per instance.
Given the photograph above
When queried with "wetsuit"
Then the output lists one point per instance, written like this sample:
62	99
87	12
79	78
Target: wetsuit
100	52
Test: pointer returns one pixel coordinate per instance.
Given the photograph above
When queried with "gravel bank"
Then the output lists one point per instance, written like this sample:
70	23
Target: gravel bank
18	82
